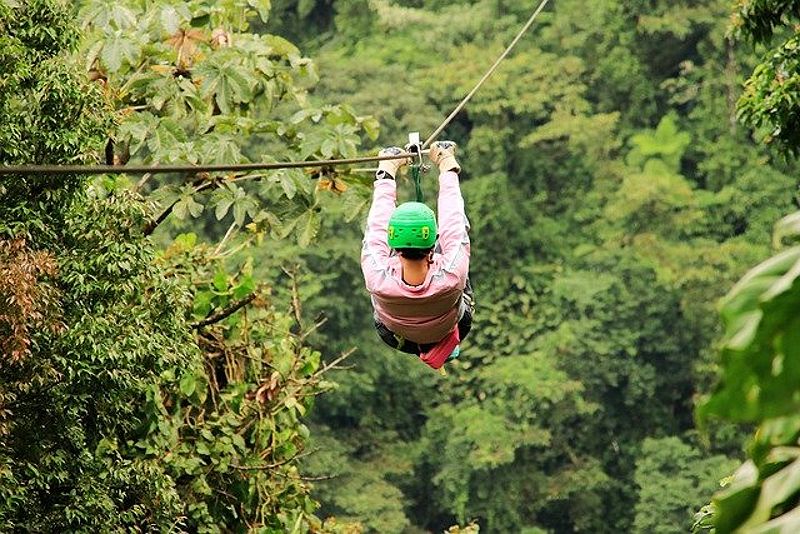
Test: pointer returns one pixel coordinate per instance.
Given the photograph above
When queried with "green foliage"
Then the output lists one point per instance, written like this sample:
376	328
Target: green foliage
506	415
760	20
772	93
192	83
612	201
758	375
358	490
771	99
229	429
116	323
757	385
116	414
759	327
672	476
666	144
611	204
49	115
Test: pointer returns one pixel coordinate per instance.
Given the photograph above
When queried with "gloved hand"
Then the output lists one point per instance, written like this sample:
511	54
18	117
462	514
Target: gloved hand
443	154
387	168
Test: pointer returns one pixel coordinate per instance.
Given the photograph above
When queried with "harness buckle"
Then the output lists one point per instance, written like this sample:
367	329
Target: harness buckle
414	146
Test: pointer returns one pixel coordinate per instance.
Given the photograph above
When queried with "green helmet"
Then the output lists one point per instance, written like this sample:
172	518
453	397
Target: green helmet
412	225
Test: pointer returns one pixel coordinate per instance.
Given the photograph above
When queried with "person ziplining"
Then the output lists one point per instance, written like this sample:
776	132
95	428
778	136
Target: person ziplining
415	268
420	290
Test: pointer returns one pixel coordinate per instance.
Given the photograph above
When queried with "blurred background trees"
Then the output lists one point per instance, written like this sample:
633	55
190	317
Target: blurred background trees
614	198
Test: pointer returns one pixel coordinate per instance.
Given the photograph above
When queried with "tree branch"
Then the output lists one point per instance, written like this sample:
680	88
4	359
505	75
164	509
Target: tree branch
141	182
152	225
311	330
263	467
296	307
333	365
224	239
222	314
317	478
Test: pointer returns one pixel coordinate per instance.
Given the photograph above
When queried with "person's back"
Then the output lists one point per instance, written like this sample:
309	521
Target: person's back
417	289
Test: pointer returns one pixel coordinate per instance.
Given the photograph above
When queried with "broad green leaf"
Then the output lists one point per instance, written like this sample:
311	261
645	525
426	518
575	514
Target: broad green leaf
221	149
170	20
188	100
304	431
106	16
243	206
328	147
746	329
287	181
777	265
188	384
136	130
263	8
239	442
740	297
281	46
303	114
221	281
779	431
167	134
788	523
744	300
187	205
119	48
225	81
222	207
202	303
371	127
195	208
244	288
775	490
783	455
783	284
789	226
308	226
735	502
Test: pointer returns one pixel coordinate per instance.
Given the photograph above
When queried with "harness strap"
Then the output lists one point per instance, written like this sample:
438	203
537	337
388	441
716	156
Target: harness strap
415	175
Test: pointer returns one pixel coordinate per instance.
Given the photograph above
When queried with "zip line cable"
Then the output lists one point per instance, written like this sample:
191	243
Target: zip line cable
153	169
30	170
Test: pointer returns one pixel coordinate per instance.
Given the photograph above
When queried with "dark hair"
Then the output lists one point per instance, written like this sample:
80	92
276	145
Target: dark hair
414	253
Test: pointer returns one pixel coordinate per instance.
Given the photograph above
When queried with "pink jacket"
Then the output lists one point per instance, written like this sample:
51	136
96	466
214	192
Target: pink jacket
427	313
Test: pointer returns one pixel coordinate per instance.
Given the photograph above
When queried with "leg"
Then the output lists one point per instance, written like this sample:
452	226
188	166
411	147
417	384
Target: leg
468	306
395	341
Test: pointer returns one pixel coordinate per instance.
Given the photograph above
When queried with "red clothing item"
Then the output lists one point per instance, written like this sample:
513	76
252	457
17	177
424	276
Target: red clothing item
438	355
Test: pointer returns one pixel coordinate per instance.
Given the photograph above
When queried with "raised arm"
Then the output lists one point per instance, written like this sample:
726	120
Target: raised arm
376	247
375	251
453	223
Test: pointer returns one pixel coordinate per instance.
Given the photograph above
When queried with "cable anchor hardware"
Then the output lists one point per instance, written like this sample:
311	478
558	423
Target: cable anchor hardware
414	147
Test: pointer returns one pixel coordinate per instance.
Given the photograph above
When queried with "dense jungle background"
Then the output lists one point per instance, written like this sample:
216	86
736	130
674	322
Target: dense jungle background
196	353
